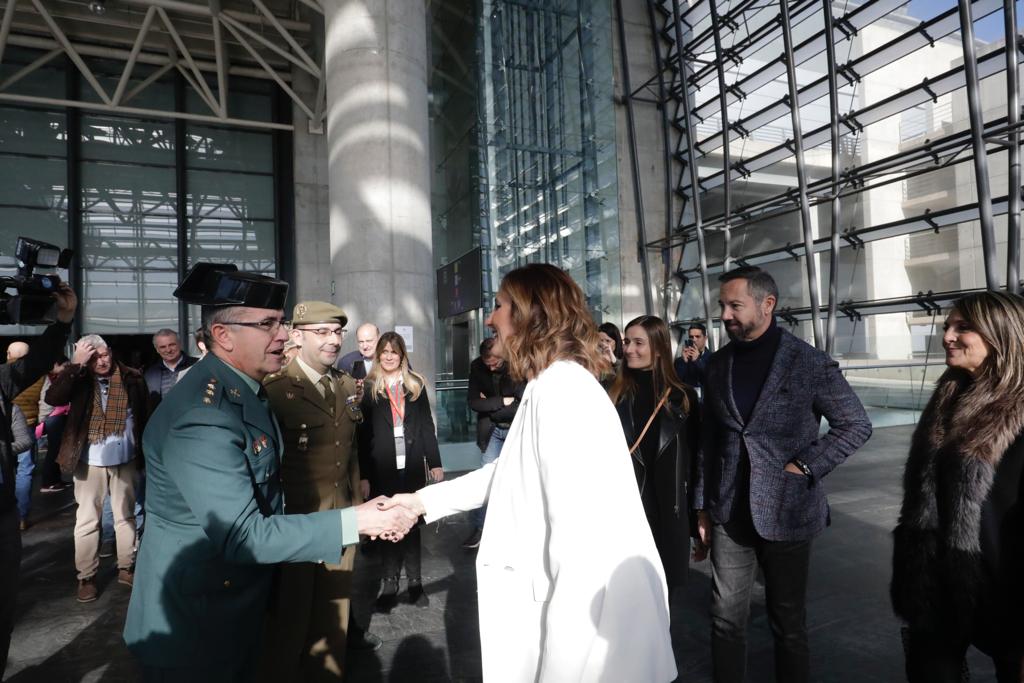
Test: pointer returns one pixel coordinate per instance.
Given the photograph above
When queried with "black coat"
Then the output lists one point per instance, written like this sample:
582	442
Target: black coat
665	488
491	409
958	558
377	444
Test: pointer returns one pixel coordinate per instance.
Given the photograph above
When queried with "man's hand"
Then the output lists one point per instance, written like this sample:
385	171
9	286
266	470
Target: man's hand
83	352
437	474
391	523
508	400
793	469
690	353
409	501
364	488
704	524
67	302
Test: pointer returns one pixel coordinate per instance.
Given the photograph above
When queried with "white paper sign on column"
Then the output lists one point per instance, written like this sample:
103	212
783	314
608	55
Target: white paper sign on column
405	332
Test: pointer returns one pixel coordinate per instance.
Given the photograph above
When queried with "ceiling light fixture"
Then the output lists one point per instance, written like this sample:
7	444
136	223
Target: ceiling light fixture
98	7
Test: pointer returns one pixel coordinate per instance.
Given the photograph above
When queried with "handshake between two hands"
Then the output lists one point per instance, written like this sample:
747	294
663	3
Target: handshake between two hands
389	518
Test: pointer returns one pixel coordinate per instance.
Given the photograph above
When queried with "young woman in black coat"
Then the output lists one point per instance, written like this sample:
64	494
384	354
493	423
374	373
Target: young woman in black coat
958	560
665	455
397	447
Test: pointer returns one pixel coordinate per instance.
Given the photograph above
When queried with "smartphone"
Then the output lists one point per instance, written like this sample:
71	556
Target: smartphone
687	342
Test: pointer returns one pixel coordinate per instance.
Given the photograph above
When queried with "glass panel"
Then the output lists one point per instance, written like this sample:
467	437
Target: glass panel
251	245
113	138
32	131
230	196
32	182
123	301
230	150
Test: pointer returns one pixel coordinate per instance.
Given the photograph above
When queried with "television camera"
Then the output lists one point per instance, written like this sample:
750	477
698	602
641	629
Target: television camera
29	298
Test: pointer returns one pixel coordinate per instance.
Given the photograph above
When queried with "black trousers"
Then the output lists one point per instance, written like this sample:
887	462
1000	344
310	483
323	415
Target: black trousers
736	553
406	552
10	571
936	657
54	432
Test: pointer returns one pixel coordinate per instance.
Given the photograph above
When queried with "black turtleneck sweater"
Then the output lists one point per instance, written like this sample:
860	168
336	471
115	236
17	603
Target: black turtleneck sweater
751	362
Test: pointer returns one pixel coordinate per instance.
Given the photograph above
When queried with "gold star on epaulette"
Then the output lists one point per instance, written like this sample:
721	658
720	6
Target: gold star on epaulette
211	389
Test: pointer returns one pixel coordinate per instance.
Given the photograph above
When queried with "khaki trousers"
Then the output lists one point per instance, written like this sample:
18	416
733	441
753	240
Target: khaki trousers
92	485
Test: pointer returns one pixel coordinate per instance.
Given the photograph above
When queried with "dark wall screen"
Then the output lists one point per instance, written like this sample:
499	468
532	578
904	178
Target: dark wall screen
459	285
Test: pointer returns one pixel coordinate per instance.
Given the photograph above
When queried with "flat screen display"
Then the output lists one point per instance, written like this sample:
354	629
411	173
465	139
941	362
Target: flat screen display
459	285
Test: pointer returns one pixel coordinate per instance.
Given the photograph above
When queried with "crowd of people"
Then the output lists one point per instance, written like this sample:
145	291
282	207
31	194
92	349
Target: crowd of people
608	464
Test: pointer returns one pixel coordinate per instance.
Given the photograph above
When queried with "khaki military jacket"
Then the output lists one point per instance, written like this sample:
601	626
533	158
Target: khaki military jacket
320	465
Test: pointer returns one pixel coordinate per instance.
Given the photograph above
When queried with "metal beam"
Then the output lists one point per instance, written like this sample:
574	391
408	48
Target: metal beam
988	236
634	164
138	111
801	173
287	36
691	164
1013	154
133	56
203	10
724	117
833	108
66	44
221	57
200	81
5	26
284	54
29	68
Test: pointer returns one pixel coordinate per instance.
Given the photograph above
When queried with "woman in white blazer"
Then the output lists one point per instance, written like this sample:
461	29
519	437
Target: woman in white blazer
570	584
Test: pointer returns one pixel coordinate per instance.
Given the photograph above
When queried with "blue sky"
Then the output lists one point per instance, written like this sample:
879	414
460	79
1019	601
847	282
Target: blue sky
988	29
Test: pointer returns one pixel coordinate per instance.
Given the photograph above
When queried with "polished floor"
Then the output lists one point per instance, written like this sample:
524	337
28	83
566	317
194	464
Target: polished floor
854	637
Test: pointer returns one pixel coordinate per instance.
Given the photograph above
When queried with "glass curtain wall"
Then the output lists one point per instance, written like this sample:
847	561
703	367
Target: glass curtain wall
149	192
891	196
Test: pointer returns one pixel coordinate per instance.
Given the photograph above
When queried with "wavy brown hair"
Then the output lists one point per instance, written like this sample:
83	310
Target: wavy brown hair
412	381
551	321
624	387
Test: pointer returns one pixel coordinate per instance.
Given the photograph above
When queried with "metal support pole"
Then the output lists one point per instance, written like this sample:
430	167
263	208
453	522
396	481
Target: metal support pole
691	166
723	103
801	174
666	146
833	107
1013	153
988	234
634	163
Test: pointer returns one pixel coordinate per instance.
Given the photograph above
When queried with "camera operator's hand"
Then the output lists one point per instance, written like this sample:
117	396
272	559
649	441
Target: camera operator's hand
67	302
690	354
83	352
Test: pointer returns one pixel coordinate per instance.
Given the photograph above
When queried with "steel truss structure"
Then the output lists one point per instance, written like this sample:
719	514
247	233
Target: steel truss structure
732	84
207	43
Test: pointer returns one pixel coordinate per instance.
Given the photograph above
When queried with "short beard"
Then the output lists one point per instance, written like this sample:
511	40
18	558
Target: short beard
744	330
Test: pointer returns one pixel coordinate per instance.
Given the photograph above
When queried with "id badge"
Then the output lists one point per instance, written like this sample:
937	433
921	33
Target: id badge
399	431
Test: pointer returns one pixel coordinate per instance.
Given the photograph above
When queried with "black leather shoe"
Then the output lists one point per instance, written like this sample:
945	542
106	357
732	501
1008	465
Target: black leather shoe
416	595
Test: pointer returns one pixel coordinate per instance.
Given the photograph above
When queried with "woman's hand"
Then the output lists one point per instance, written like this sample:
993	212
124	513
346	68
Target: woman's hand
437	473
409	501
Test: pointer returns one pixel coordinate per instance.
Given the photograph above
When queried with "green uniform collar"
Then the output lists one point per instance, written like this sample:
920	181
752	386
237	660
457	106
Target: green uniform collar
249	381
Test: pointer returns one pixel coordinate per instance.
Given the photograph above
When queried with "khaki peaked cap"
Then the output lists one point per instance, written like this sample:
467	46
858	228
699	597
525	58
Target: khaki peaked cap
307	312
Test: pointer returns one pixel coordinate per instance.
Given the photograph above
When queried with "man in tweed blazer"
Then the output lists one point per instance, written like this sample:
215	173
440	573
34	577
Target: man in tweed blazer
760	488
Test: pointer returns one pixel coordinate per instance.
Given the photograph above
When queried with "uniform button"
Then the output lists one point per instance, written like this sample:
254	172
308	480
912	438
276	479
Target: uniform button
335	424
337	443
335	484
337	464
227	584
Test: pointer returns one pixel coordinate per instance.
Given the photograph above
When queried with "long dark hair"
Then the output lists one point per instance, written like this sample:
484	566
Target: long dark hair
658	336
613	332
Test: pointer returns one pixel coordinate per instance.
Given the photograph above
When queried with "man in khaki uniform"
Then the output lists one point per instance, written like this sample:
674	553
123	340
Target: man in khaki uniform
318	408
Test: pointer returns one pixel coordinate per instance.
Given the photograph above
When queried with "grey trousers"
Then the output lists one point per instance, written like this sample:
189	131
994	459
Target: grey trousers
736	553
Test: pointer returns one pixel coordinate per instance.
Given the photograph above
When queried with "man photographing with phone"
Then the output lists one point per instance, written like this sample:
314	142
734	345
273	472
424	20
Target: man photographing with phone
694	356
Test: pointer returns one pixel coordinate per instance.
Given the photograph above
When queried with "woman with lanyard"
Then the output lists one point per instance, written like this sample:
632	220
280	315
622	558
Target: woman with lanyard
397	452
661	423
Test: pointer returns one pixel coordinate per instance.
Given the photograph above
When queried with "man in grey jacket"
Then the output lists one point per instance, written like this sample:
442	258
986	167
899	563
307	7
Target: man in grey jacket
760	490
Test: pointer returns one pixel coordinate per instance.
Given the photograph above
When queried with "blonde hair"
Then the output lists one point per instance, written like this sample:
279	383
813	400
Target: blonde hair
551	321
412	381
999	318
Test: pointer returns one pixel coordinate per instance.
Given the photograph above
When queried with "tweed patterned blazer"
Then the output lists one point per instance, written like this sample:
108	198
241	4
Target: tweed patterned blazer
803	385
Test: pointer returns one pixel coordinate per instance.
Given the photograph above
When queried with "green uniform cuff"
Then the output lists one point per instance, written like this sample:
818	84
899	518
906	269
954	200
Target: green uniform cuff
349	527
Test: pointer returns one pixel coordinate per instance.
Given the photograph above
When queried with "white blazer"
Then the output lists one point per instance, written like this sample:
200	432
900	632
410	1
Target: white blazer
571	587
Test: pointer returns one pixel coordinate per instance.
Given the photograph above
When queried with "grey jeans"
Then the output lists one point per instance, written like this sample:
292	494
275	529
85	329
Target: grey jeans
736	553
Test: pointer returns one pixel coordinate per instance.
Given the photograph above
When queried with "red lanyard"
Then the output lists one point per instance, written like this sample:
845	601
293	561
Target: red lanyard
397	408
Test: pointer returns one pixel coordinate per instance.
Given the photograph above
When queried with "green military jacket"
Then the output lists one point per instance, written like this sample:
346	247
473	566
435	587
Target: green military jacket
320	466
213	524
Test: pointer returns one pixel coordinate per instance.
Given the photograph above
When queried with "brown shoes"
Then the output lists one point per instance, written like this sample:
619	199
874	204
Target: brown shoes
87	589
126	577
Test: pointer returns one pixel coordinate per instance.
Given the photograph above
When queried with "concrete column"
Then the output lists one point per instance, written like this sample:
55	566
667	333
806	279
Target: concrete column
379	168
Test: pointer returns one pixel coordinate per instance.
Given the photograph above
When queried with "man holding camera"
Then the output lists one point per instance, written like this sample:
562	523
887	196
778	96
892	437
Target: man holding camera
694	356
14	378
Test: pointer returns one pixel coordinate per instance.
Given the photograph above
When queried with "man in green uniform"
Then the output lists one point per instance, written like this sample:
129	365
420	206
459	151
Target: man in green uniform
317	407
214	527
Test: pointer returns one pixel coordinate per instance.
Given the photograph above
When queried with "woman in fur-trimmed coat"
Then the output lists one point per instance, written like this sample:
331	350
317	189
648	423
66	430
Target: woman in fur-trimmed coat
958	561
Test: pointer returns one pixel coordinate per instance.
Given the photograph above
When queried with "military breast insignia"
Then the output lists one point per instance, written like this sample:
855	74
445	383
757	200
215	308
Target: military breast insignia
235	393
289	395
